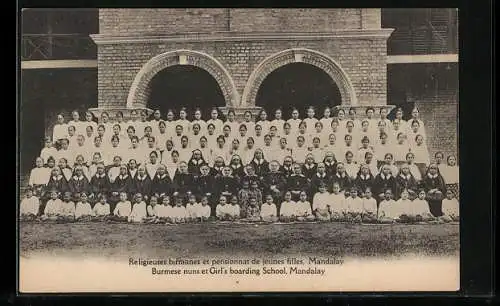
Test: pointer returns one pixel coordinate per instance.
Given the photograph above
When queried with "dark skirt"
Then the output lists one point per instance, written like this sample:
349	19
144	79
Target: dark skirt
435	207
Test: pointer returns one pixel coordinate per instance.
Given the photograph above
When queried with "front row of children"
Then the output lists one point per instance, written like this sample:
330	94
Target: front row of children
326	206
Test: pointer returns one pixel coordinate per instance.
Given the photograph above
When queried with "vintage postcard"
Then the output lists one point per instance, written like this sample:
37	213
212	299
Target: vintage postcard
221	150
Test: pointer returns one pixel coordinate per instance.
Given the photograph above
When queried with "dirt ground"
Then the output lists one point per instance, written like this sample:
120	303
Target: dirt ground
192	240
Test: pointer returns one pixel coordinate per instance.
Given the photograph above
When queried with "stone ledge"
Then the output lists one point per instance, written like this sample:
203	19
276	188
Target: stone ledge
104	39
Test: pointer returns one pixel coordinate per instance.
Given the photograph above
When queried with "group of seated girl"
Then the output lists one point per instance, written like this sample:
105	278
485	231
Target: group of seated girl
354	206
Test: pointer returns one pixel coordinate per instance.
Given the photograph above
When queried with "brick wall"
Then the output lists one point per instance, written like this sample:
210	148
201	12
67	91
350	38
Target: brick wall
148	21
294	20
440	115
362	59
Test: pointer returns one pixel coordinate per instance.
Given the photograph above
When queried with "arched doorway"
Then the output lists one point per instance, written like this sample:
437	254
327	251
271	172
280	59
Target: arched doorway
297	85
141	87
299	55
186	86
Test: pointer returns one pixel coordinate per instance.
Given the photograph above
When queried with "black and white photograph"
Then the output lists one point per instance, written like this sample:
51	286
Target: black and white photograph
238	149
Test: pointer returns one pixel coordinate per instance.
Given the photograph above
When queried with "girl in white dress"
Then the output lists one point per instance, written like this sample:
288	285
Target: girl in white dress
294	121
321	203
233	124
450	207
214	119
398	120
60	129
287	208
138	213
387	212
278	121
351	116
415	115
326	121
310	120
186	125
420	207
263	122
300	152
30	205
199	121
83	211
248	121
268	211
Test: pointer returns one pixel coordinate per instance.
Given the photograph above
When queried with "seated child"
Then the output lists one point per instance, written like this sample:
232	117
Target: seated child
337	203
405	207
153	210
450	208
101	209
166	213
138	214
387	212
268	211
178	213
321	203
287	208
222	211
369	207
53	208
421	209
29	206
304	212
83	211
68	207
354	206
122	209
192	209
234	208
205	209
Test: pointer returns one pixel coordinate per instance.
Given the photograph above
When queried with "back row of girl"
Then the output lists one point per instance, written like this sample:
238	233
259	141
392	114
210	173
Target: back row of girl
139	121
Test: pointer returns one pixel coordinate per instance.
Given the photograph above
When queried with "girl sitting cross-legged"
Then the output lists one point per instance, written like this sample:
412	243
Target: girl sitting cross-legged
68	207
178	213
83	211
369	207
138	213
321	203
337	203
29	206
268	211
304	212
354	206
101	209
122	209
287	208
222	211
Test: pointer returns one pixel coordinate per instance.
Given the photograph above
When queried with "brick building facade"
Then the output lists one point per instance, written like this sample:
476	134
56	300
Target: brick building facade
240	48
